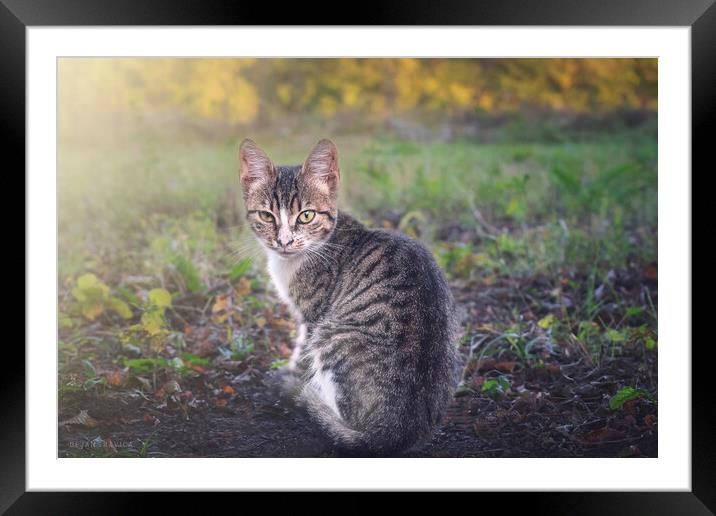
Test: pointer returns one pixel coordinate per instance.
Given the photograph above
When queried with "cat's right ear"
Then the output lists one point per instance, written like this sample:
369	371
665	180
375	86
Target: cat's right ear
321	167
256	167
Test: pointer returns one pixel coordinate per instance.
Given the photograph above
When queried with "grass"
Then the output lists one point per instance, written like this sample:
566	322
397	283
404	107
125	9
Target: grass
533	207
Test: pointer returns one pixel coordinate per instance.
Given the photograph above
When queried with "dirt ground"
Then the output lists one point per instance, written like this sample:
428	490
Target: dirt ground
559	408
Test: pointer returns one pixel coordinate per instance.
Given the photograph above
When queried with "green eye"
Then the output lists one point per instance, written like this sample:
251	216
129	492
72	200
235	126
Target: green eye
266	216
306	216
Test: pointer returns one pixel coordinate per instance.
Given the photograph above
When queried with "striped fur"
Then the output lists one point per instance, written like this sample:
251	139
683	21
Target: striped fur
378	362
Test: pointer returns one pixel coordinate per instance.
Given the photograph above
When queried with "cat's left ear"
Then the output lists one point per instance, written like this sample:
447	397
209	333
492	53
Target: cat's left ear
321	167
256	167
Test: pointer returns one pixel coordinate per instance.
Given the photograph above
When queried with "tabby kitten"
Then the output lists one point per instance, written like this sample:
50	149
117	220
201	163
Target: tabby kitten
376	348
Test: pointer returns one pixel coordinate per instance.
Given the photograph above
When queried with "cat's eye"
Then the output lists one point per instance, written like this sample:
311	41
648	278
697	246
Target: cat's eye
266	216
306	216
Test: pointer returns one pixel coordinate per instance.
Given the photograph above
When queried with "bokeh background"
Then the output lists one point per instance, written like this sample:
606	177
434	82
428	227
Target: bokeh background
514	172
562	150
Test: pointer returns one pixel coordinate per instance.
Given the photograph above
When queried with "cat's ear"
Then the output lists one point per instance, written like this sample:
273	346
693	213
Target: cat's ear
256	167
321	167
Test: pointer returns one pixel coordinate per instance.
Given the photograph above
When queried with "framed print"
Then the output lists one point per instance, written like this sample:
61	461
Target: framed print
420	252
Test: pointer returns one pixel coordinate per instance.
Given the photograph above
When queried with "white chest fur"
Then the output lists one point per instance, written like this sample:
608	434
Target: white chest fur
281	271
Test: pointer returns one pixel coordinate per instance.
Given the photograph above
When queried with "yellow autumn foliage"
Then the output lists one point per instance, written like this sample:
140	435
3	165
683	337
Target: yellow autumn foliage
241	91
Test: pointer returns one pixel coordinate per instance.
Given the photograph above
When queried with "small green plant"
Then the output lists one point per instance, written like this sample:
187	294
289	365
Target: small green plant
91	377
627	394
496	388
153	317
152	327
239	346
278	363
144	451
240	269
188	273
93	298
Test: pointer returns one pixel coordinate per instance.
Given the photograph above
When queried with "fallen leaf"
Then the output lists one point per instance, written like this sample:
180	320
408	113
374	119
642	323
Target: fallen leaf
282	324
146	384
284	351
83	418
485	363
115	378
236	366
505	367
221	304
630	407
244	287
546	322
93	311
169	388
554	368
120	307
151	419
204	348
160	297
228	389
603	434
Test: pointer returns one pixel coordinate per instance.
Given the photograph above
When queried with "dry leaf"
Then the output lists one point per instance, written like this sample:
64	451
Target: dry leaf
83	418
244	288
115	378
282	324
222	303
169	388
603	434
505	367
486	363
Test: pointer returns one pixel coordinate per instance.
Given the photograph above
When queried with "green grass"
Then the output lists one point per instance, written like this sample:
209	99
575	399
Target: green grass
172	209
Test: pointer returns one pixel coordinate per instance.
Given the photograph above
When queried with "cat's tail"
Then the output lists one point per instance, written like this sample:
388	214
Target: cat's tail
380	440
342	434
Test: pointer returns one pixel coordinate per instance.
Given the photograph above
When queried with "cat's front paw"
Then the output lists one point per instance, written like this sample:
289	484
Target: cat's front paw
295	363
290	382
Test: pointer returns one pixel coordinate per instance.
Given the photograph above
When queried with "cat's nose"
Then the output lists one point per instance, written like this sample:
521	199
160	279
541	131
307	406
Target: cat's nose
284	243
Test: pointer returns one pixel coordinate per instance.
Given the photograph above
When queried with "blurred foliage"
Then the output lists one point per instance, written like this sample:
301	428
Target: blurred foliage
503	166
100	95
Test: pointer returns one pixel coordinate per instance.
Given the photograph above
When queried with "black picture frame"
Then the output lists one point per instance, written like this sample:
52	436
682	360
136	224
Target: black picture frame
17	15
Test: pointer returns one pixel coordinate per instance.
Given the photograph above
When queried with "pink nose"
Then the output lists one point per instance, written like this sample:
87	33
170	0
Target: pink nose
283	243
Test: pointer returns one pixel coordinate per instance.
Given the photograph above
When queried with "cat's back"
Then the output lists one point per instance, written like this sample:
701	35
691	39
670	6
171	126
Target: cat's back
393	281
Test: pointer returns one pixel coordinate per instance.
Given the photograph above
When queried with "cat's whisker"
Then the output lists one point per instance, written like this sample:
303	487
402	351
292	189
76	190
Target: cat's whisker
327	259
317	255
